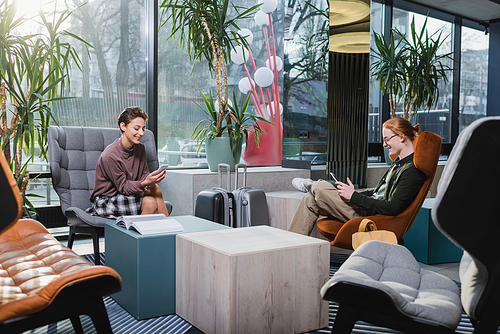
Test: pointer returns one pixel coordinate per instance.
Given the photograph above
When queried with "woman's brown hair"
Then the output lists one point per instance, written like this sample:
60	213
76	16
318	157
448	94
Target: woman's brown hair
130	113
401	126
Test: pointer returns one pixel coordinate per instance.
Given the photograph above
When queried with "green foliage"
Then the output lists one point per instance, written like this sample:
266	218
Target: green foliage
409	70
244	123
34	71
207	127
207	30
188	17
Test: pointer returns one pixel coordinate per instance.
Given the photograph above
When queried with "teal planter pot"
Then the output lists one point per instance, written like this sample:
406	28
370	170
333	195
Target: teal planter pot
219	151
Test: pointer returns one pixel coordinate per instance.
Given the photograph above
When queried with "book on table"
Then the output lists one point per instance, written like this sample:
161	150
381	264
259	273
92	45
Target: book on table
150	224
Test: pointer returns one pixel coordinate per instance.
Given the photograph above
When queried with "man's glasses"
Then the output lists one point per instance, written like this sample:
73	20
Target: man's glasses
387	139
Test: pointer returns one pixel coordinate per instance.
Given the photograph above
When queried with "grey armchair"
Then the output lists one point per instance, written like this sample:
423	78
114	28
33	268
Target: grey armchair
73	155
383	284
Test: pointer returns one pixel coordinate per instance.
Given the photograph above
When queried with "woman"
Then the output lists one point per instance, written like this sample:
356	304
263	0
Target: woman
123	183
394	192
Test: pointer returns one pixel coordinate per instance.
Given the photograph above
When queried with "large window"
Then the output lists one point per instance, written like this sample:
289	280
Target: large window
305	81
180	86
114	71
375	96
463	98
473	76
113	74
437	119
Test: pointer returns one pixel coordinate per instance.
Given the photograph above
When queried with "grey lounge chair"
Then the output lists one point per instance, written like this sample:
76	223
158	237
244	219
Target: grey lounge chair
383	284
73	154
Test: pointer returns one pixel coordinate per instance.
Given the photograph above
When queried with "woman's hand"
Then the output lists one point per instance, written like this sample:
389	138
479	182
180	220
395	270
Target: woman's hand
345	190
153	178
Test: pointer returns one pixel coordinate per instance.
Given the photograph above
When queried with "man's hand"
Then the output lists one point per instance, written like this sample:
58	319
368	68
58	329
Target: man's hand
345	190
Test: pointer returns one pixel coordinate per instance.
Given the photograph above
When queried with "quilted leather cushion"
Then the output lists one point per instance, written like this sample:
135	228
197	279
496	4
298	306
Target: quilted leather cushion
416	292
34	267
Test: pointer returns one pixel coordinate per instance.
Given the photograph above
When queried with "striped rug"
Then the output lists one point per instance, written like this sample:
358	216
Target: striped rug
124	323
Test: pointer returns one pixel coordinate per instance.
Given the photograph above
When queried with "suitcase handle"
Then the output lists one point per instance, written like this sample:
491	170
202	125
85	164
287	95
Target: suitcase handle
237	169
219	172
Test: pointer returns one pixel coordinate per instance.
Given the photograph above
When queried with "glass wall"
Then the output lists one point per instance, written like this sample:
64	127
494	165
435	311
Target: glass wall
438	118
450	114
375	97
473	76
180	84
113	73
305	80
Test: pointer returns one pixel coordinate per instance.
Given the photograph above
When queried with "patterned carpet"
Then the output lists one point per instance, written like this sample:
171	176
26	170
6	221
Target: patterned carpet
124	323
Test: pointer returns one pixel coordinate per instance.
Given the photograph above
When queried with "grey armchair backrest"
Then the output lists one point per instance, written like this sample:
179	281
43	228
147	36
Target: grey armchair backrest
73	155
466	210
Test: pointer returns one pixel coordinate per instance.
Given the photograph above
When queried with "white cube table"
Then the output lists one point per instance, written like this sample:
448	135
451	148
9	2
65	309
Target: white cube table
256	279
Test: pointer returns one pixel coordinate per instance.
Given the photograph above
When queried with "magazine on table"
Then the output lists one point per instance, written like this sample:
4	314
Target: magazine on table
150	224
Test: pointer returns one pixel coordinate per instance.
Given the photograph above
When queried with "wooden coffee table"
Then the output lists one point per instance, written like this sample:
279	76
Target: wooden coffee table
252	280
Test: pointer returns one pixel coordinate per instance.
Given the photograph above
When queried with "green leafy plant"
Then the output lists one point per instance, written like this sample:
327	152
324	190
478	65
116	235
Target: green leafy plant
244	123
206	29
409	68
33	76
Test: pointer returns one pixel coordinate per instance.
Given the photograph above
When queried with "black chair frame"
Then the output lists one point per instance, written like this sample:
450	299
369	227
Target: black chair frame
83	297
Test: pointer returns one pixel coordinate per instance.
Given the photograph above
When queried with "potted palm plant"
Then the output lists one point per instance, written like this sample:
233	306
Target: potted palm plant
409	68
33	76
206	29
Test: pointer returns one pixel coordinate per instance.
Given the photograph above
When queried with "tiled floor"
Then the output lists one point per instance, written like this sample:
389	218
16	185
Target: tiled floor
84	246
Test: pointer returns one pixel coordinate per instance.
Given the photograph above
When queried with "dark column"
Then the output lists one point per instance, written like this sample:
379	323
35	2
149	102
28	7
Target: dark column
152	67
347	142
493	108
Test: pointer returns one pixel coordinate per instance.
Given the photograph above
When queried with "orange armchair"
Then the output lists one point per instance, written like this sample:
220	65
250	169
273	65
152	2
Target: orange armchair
41	280
427	149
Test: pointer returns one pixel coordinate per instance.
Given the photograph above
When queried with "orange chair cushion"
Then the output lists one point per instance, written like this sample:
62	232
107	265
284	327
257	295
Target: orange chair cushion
34	267
427	148
328	227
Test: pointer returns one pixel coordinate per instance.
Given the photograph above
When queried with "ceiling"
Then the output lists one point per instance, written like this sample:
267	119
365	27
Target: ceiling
476	10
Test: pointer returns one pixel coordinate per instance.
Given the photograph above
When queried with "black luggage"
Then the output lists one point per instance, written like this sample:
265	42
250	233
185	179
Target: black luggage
250	205
216	204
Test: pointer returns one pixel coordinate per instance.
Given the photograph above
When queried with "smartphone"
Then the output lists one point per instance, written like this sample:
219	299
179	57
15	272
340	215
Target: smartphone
334	177
162	167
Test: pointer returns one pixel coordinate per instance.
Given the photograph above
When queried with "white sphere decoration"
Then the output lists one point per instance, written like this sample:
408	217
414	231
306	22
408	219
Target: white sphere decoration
279	63
268	6
261	18
247	35
271	107
244	85
239	55
216	105
264	77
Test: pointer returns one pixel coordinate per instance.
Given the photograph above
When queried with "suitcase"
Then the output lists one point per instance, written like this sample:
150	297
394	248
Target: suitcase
250	205
216	204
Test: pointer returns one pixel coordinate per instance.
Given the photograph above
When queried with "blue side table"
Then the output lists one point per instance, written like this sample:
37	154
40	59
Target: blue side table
427	243
146	264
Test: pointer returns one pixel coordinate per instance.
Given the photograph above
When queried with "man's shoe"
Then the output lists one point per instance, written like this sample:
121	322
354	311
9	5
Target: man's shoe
298	183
